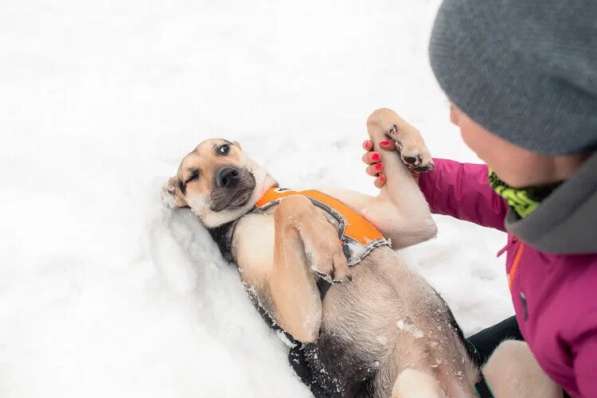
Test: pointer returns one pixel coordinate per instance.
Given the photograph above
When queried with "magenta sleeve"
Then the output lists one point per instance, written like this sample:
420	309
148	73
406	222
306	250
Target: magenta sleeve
462	190
585	361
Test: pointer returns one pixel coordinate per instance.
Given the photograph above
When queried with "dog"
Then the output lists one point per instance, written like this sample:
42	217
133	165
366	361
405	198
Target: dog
321	267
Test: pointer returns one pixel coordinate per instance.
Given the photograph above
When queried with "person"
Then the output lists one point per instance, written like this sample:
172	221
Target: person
521	77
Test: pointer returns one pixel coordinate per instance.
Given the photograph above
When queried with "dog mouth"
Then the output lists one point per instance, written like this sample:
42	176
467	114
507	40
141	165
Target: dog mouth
241	197
234	197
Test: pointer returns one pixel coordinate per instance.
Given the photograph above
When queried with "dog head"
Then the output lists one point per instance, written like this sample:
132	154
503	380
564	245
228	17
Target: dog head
218	182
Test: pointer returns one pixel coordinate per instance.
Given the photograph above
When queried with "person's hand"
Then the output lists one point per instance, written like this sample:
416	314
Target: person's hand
373	160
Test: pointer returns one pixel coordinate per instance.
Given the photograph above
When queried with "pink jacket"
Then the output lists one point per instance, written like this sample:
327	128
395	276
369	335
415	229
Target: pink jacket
554	295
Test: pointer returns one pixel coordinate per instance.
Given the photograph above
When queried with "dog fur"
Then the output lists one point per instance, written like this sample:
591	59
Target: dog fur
380	330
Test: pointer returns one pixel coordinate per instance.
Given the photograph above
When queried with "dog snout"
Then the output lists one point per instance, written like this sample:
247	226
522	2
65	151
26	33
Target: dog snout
227	177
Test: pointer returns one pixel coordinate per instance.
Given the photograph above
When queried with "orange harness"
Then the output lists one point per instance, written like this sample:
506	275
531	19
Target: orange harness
358	235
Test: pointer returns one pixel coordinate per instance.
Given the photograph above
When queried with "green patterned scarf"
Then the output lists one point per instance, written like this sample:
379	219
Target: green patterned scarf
523	201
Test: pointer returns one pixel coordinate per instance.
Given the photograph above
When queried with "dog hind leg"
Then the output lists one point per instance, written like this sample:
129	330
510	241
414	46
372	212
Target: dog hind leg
413	383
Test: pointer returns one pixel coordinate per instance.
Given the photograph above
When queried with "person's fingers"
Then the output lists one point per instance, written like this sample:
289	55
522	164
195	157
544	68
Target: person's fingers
375	169
380	181
367	145
371	157
388	145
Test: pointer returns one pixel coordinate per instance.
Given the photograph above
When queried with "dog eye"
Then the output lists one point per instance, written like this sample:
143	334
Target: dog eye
194	175
223	149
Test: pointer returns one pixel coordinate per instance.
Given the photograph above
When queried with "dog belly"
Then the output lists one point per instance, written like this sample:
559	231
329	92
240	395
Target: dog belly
385	320
384	301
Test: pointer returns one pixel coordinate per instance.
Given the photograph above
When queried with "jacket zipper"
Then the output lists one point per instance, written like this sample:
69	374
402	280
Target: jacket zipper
511	242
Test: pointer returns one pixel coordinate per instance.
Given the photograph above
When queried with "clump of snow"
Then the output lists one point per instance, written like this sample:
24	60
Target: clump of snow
406	325
105	293
383	340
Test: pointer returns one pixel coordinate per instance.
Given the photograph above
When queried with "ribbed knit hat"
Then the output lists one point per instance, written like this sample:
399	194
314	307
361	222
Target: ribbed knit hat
526	70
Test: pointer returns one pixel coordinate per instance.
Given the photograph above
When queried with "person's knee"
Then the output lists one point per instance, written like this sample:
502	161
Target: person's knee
487	340
512	371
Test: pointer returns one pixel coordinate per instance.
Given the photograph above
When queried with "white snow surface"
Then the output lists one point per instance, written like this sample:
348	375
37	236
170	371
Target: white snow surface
104	293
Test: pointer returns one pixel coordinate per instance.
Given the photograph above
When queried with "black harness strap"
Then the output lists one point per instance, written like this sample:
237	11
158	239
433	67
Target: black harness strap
223	235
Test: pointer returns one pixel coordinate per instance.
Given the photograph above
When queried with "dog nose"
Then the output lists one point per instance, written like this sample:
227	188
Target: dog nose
227	177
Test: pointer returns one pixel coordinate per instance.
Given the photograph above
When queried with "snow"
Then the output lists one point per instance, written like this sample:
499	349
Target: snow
105	293
408	327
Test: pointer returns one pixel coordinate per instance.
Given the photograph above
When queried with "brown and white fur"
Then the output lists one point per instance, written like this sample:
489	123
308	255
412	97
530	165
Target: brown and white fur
380	322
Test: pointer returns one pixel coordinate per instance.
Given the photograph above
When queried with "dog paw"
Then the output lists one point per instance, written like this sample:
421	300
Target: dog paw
322	248
325	255
411	148
333	269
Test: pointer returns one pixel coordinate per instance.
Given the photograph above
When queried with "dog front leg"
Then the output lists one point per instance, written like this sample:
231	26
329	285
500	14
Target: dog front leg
305	243
400	210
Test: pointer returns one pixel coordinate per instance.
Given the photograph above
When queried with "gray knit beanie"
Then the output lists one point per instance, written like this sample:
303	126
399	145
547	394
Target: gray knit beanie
525	70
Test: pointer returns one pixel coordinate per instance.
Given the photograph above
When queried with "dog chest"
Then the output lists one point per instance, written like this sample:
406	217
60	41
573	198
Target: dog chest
253	246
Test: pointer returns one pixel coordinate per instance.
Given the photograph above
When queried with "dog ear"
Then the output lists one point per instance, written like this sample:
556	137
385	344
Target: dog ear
172	195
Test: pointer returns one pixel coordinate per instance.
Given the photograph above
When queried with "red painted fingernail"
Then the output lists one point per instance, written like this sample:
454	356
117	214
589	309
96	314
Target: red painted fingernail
384	143
379	167
375	157
382	179
366	144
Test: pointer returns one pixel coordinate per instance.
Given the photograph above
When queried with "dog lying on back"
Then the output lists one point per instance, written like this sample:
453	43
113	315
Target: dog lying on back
321	266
